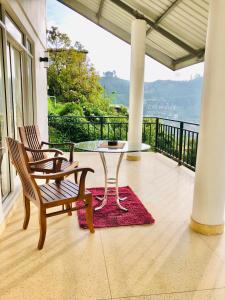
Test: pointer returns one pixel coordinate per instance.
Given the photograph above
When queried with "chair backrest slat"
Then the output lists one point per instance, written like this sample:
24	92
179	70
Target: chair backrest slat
30	137
20	161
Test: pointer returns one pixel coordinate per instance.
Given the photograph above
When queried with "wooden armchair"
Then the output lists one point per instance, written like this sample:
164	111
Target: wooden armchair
61	192
30	137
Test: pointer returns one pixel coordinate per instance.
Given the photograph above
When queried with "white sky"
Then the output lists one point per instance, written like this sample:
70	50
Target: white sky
107	52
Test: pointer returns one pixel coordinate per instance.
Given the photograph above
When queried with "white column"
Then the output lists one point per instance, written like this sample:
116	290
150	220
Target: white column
138	39
209	193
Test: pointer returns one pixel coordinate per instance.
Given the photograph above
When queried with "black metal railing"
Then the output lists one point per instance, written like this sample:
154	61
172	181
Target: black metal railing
175	139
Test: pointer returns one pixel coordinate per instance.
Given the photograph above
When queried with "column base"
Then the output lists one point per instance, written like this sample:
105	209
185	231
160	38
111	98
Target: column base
133	157
206	229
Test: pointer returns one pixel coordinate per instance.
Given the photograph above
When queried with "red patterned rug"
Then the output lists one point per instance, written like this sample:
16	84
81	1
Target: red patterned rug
112	216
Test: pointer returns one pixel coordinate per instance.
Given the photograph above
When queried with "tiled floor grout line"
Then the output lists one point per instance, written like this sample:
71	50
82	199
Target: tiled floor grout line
105	265
158	294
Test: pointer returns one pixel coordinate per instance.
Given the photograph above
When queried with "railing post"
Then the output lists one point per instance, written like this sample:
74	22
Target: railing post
101	127
156	133
180	143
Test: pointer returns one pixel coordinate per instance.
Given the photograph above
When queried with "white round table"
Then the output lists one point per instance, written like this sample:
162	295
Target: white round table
102	147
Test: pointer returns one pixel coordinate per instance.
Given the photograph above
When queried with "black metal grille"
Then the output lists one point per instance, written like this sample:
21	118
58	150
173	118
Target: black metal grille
175	139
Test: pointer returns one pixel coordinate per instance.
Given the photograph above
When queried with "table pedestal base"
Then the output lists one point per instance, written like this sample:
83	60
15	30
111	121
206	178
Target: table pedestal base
111	181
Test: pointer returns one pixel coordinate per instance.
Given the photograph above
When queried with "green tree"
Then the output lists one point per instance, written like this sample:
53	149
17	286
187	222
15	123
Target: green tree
71	78
80	97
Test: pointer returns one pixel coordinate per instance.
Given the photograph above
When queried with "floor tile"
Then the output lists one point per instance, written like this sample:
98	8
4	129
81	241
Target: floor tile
162	261
70	266
165	257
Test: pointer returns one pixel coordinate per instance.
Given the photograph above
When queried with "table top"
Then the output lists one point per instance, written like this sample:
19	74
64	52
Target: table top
95	146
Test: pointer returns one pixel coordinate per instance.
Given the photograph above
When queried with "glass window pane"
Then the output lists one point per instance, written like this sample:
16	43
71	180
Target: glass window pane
17	87
13	29
4	159
29	104
10	100
29	47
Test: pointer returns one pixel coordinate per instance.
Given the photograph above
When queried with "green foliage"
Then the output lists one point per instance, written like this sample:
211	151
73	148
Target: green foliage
71	78
77	98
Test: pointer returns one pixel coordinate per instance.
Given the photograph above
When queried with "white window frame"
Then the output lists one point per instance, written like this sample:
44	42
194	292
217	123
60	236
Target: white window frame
25	53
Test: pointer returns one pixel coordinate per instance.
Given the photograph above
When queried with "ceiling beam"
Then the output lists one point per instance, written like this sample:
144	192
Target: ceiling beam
116	30
165	14
199	56
159	29
99	13
156	54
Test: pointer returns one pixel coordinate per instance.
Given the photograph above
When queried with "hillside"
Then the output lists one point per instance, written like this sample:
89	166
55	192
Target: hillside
164	98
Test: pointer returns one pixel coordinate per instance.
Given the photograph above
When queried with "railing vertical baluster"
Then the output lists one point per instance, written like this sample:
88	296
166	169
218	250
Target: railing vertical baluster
144	137
150	134
196	146
192	148
120	131
173	132
101	128
180	143
177	137
188	148
164	137
156	133
184	146
88	130
159	137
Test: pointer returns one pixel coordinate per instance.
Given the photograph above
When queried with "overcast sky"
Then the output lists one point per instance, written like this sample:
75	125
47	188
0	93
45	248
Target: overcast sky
107	52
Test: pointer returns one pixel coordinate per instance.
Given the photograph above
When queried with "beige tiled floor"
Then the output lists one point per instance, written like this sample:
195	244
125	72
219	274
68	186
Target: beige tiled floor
152	262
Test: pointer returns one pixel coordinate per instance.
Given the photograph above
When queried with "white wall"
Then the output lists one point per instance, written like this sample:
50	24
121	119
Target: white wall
30	16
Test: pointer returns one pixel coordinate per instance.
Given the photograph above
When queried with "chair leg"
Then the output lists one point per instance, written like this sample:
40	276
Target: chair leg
43	227
68	206
76	178
26	211
89	214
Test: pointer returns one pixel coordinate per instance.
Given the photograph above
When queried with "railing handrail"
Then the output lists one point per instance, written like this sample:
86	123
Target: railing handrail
172	120
121	117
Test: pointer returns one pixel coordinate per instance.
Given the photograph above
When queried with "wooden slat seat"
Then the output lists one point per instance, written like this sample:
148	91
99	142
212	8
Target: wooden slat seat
54	194
59	193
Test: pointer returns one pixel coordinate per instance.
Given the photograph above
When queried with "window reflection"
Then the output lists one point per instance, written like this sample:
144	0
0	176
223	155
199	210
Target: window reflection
4	160
29	103
13	29
29	46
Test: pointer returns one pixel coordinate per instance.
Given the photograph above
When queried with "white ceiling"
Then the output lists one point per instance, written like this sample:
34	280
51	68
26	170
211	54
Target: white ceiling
176	30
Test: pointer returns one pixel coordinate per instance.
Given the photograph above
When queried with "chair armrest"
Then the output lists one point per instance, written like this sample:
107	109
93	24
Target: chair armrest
68	144
42	161
57	163
57	152
61	174
57	144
